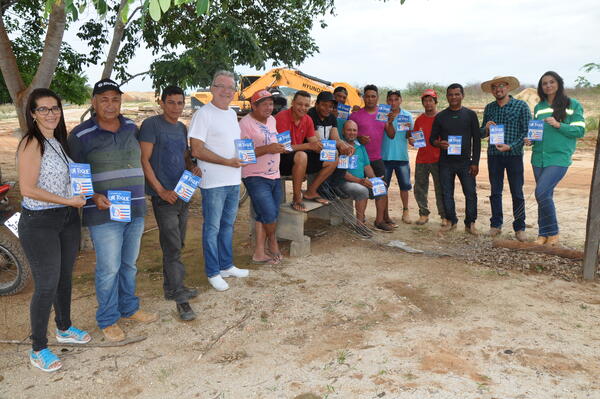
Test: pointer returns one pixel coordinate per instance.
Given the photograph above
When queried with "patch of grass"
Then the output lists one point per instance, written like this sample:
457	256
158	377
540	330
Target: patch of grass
163	374
343	356
591	124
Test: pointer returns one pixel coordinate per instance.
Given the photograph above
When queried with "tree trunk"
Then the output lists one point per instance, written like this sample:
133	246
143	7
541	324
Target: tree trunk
43	77
115	44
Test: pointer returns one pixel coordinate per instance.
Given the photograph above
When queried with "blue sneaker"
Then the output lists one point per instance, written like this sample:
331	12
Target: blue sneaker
73	336
45	360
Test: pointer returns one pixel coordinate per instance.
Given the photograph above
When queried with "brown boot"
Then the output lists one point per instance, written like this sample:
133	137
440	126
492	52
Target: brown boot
495	232
143	317
448	227
552	241
521	236
113	333
422	220
445	222
541	240
470	228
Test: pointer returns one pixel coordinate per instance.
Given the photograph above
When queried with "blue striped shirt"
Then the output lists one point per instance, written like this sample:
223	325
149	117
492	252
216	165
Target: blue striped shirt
115	161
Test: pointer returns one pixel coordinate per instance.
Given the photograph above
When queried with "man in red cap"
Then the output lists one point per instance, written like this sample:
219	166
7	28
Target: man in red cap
427	162
262	178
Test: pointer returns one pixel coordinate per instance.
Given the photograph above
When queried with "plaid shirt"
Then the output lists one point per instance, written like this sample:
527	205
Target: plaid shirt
515	116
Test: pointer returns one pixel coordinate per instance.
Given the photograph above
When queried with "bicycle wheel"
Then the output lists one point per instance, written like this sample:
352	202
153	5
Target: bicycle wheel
14	269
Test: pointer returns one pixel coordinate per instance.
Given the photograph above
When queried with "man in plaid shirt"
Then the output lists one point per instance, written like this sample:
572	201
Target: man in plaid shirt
514	115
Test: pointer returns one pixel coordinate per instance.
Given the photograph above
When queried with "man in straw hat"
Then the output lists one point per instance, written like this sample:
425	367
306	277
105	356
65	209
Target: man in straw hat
508	155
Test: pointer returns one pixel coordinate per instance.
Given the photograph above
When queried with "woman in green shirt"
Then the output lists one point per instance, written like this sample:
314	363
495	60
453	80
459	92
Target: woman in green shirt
564	123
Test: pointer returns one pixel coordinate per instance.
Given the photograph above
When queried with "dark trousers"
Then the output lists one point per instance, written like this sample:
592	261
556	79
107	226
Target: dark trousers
172	225
50	240
513	164
422	172
448	173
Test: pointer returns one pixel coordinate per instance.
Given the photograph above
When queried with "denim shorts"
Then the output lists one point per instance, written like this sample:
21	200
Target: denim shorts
402	170
266	197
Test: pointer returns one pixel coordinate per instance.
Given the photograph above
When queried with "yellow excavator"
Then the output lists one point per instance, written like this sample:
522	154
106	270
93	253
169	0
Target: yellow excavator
285	81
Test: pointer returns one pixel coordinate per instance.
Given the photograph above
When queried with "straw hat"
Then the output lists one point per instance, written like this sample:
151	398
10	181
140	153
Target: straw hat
513	83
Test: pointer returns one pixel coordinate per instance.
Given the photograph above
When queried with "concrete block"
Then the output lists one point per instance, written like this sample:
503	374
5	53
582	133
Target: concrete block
301	247
290	224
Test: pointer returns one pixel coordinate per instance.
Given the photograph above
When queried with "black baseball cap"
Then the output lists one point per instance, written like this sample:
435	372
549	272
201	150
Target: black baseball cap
105	85
325	96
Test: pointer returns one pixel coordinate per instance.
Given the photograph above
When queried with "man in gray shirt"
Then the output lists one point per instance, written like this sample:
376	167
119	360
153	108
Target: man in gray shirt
165	156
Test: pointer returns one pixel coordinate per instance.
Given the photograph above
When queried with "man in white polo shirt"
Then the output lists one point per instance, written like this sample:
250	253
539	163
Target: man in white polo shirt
213	131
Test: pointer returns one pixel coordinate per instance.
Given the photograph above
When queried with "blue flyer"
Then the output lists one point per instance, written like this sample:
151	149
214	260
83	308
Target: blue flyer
455	147
496	134
120	205
343	111
245	150
186	186
81	179
347	162
536	130
419	137
382	112
403	123
285	138
328	151
378	186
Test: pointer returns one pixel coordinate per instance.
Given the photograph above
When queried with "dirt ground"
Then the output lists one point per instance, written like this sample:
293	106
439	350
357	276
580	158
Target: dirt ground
355	319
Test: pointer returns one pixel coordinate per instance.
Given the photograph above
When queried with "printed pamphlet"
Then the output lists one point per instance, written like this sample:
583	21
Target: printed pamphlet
455	147
245	150
343	111
120	205
347	162
536	130
81	179
382	112
403	123
496	134
186	186
419	137
328	151
378	186
285	138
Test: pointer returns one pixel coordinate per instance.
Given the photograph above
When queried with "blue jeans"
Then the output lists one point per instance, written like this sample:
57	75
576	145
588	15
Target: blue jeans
448	173
546	179
266	197
402	170
219	209
117	247
513	164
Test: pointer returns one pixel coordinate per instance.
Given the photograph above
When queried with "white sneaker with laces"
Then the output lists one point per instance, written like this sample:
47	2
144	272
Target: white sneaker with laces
218	283
234	272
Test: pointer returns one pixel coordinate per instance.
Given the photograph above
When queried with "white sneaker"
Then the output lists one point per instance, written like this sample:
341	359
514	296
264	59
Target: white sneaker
218	283
234	272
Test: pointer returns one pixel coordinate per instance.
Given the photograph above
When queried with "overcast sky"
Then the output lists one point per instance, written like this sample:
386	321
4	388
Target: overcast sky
445	41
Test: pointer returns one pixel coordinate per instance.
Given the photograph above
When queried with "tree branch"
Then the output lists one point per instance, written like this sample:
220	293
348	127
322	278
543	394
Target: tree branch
130	18
115	43
51	52
8	65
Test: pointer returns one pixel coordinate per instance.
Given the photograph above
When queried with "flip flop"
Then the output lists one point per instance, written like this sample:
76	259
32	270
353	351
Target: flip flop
317	199
298	206
261	262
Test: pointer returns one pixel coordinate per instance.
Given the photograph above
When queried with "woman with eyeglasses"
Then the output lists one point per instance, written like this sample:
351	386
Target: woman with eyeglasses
563	123
49	227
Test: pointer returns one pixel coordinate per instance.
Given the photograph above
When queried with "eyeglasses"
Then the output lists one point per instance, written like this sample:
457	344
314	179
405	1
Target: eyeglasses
499	86
223	87
45	110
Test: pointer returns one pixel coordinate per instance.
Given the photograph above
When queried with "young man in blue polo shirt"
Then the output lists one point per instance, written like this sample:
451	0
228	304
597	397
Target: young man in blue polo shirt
165	156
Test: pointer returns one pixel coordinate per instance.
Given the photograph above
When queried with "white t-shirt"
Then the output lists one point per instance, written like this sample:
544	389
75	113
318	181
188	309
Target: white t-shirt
218	129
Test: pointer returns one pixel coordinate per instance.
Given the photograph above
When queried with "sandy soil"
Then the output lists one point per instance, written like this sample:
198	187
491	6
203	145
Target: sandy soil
356	319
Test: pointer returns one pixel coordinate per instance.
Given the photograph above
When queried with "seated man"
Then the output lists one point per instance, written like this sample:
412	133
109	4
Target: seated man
357	184
326	129
304	159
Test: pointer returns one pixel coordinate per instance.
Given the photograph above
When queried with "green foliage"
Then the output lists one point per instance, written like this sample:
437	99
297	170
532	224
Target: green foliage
236	32
26	18
417	88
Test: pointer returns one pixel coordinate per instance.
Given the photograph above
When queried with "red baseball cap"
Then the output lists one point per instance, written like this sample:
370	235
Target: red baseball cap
260	95
429	92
